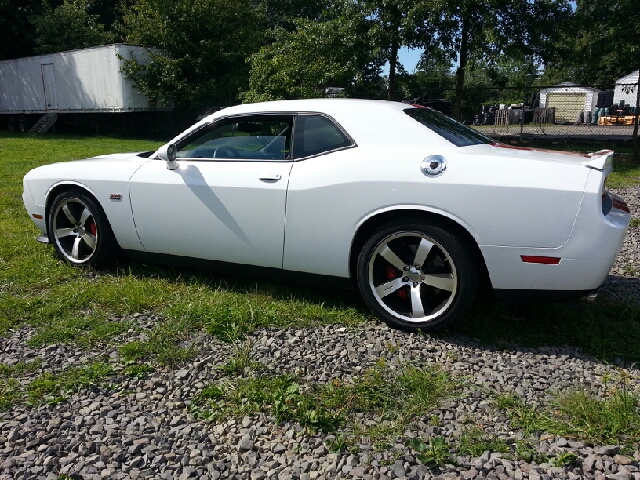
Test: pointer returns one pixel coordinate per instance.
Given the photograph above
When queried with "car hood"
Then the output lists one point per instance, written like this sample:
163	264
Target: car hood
114	167
116	157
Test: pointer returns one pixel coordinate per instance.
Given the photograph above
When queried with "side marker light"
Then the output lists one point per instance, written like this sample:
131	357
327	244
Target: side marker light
539	259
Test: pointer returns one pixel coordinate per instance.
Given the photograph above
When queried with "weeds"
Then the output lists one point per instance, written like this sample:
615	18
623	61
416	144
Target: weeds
395	399
578	414
57	387
436	452
475	442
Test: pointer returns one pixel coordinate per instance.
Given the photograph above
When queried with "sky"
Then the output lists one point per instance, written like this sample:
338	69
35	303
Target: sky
409	58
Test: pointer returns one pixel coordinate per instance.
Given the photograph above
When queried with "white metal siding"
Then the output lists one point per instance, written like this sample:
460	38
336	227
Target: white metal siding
87	80
588	100
623	91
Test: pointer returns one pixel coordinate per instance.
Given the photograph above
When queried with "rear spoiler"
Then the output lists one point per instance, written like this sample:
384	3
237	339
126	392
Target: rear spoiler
601	161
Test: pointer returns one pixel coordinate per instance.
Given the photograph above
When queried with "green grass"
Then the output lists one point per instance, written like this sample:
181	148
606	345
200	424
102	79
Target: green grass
67	305
474	442
625	174
595	328
395	398
95	308
614	419
48	387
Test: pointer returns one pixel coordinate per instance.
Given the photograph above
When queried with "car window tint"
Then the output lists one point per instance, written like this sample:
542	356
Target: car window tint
316	134
245	138
458	134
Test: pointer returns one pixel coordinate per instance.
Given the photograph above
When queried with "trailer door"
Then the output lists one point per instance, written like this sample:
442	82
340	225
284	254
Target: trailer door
49	83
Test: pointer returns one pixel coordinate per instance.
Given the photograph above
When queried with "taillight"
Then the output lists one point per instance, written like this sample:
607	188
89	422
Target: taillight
606	199
620	205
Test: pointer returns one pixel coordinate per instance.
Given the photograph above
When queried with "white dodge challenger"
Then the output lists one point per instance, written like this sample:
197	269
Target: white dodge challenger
417	210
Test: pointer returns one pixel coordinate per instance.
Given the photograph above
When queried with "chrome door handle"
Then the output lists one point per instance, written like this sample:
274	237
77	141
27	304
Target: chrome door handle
270	178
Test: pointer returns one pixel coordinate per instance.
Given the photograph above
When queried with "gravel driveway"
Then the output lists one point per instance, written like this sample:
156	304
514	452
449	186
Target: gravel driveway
143	428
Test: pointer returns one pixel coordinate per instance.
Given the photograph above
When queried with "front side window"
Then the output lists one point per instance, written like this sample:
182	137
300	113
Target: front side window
458	134
315	134
264	137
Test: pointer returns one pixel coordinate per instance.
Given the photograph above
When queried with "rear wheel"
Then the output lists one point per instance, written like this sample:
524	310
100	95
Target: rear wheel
79	230
417	276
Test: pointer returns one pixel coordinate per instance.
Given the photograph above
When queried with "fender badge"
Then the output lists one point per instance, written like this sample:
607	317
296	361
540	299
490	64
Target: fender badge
115	196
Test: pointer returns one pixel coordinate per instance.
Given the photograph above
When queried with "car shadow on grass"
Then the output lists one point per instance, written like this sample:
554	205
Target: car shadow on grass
608	329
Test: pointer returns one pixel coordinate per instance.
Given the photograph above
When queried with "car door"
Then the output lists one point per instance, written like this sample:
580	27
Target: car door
226	200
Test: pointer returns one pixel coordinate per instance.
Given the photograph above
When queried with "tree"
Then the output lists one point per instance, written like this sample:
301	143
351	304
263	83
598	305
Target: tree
204	47
18	33
604	45
317	54
604	41
68	26
469	30
395	24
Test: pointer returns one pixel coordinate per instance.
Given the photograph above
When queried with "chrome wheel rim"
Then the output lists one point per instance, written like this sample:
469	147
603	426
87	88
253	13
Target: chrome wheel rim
412	277
74	230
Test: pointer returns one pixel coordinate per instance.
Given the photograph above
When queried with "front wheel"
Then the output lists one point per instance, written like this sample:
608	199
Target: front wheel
416	276
79	230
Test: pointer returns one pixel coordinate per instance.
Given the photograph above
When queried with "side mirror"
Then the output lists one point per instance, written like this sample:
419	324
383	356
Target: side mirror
168	153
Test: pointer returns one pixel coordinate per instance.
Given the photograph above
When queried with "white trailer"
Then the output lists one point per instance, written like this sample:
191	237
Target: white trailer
86	81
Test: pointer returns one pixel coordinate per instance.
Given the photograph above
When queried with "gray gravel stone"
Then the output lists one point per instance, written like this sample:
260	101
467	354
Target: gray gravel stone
144	427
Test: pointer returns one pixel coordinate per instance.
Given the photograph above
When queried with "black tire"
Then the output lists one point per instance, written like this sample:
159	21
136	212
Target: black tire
416	276
79	230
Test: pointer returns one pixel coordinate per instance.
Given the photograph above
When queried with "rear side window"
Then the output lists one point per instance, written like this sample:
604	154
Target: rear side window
456	133
316	134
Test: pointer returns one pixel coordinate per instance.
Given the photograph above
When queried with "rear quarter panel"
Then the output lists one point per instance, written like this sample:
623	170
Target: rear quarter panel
502	198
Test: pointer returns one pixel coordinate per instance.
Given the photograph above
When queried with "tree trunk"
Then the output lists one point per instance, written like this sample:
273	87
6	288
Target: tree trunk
393	65
464	52
636	147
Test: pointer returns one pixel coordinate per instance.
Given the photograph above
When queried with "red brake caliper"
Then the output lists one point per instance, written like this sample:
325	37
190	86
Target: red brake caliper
92	228
391	274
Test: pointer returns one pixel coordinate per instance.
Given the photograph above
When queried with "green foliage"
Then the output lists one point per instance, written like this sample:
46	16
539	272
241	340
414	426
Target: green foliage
68	26
19	368
625	174
18	33
596	328
602	42
316	55
394	398
525	451
564	459
241	360
434	453
475	442
579	414
56	387
205	44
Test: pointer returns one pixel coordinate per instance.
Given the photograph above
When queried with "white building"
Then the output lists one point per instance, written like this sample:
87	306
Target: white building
569	100
626	89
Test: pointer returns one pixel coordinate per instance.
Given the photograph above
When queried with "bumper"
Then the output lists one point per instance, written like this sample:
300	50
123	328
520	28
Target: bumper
585	260
36	212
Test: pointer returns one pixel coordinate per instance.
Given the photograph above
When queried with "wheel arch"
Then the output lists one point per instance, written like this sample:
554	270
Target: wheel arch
61	187
373	222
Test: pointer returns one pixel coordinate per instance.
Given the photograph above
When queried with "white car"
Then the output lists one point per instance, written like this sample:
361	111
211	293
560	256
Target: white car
419	211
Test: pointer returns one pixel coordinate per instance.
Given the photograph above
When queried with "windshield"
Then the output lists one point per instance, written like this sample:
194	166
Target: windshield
456	133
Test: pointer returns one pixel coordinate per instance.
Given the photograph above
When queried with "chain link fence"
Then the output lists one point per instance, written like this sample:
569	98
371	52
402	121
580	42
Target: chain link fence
567	112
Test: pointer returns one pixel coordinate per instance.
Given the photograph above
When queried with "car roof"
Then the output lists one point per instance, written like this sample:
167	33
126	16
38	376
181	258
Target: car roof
329	106
378	122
